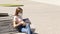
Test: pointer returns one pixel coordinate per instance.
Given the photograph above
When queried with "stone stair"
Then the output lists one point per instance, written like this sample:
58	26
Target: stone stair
12	33
6	26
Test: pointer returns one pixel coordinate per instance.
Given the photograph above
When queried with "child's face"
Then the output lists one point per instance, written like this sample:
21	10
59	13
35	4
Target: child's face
20	14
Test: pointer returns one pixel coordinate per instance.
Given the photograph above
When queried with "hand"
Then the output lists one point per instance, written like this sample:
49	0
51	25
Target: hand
24	24
14	26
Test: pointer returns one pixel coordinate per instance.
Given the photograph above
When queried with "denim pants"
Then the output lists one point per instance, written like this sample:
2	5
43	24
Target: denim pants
26	29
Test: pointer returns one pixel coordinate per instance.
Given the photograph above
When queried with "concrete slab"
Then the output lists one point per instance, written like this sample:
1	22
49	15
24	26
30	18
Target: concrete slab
45	18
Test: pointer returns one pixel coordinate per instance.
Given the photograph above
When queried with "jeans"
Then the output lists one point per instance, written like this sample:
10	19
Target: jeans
26	29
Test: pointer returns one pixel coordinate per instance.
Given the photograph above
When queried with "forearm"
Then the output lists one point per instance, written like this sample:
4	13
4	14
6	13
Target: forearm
21	23
15	25
18	24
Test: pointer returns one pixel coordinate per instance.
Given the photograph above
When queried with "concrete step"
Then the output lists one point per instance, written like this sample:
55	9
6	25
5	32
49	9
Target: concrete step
3	14
5	18
12	33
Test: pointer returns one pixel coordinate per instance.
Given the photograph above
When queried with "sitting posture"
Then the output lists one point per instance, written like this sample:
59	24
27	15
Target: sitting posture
18	22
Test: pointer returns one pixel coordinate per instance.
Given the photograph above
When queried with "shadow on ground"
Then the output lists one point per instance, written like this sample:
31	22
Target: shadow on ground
33	30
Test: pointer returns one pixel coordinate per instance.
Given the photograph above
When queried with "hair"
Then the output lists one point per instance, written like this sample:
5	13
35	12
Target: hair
18	10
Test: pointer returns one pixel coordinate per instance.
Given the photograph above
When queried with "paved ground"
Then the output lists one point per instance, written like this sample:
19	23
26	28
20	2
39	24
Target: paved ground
45	18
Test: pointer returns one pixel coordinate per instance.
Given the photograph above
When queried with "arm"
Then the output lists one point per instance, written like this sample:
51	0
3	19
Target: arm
14	22
15	25
20	22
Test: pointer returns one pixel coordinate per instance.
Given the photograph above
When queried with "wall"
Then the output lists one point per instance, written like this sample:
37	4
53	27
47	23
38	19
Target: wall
9	2
9	10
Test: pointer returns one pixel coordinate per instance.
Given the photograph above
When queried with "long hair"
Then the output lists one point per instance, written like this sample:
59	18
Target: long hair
18	10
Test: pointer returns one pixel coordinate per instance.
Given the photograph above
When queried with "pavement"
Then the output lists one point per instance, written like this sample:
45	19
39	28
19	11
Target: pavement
45	18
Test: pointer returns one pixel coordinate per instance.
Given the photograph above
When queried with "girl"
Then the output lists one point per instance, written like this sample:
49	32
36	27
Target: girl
18	22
